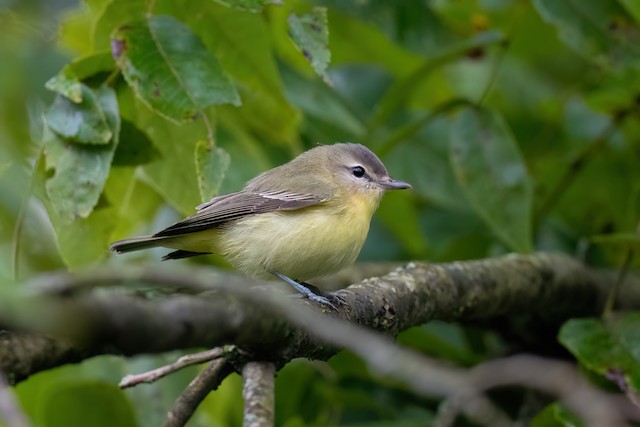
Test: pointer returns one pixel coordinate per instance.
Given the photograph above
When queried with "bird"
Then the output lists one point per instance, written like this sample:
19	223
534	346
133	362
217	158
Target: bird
298	221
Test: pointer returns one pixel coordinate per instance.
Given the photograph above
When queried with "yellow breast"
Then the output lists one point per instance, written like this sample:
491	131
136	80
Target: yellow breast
301	244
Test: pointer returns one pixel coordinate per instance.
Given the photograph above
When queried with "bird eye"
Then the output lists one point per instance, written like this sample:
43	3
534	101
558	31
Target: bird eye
358	171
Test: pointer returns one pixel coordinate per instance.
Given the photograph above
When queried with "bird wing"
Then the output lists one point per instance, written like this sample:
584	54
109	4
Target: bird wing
236	205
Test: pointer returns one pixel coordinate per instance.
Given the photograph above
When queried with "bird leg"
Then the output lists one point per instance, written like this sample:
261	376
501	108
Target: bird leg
311	292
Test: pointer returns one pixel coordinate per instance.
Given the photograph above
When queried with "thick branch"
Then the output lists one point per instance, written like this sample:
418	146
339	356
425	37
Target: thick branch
556	285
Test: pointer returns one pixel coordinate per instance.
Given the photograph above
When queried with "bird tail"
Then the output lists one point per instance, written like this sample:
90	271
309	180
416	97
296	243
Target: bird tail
136	244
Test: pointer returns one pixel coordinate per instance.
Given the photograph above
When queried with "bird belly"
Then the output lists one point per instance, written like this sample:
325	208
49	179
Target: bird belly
301	244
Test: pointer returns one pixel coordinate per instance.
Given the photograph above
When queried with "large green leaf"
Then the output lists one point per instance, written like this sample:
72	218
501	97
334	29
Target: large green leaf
400	93
242	42
399	213
414	25
80	171
172	173
134	147
422	159
170	69
84	122
311	35
68	81
633	7
609	347
601	31
85	403
491	172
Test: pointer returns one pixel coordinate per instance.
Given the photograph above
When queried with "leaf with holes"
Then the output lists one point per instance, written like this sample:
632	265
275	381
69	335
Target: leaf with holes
84	122
170	69
80	170
310	34
609	347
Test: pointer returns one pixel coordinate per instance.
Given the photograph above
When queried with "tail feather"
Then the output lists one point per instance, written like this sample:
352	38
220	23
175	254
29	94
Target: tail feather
182	254
136	244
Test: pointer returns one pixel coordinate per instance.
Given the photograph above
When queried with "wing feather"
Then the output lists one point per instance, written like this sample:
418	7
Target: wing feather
232	206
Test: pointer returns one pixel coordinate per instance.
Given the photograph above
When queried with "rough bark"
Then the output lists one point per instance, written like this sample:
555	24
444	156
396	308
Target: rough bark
553	284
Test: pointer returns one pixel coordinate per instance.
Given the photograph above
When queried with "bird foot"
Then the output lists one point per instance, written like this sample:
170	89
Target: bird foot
311	292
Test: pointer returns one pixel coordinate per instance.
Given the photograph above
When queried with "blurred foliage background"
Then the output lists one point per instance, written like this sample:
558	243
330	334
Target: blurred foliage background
515	121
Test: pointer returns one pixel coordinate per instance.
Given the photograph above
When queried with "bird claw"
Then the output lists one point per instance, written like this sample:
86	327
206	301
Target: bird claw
312	293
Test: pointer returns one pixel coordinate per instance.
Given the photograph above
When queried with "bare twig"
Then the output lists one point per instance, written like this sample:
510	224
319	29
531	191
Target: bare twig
11	414
207	380
163	371
258	393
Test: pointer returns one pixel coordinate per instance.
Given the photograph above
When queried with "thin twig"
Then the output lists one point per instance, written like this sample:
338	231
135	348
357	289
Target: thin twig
187	403
163	371
11	414
259	394
622	274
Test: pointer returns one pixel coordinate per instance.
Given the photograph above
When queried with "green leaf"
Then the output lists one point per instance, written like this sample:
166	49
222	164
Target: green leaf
400	93
321	103
172	174
556	415
134	147
399	213
4	167
633	7
211	165
249	5
85	122
310	34
609	347
423	159
68	81
491	172
170	69
601	31
80	171
114	14
242	42
85	403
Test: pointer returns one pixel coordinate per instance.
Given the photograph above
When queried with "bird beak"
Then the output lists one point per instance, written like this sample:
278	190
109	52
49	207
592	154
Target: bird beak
393	184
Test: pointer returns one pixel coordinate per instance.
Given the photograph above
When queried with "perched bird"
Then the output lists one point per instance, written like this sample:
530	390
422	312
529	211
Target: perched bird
306	218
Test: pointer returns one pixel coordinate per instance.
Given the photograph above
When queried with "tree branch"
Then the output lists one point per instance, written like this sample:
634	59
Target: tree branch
163	371
11	414
259	394
553	284
207	380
